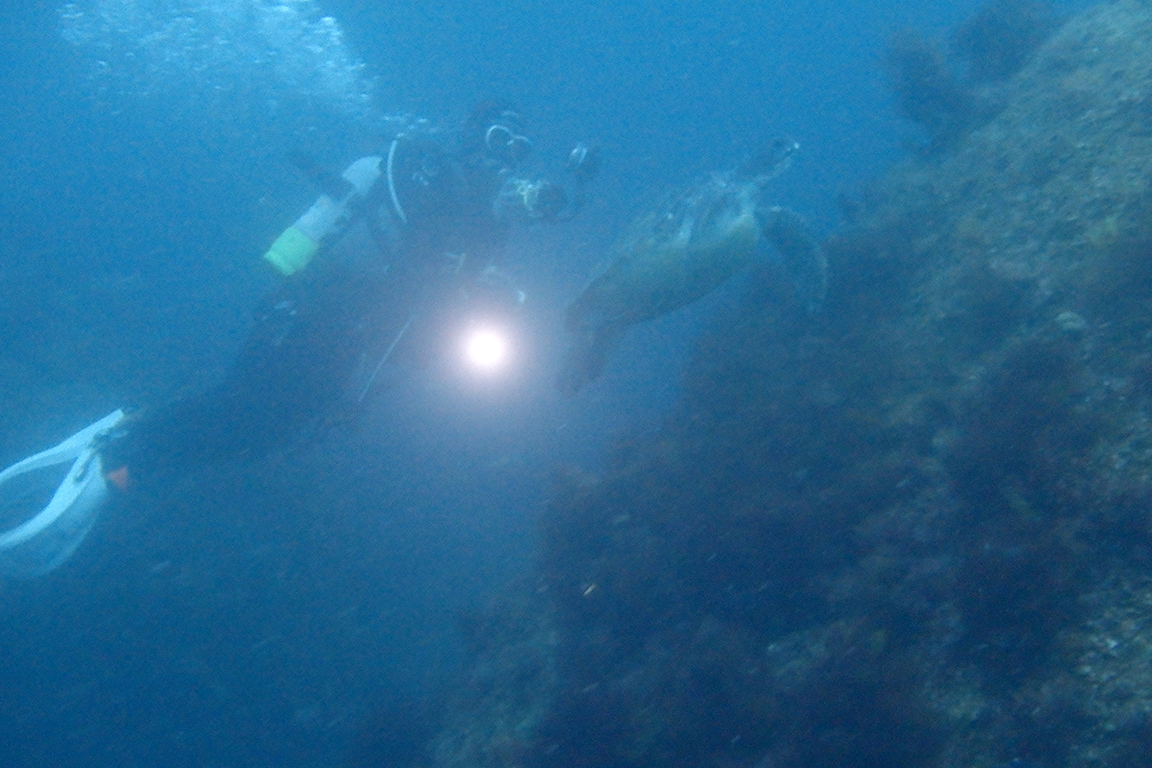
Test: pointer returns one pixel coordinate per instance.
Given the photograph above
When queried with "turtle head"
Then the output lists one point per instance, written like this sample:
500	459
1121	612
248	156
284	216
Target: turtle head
770	161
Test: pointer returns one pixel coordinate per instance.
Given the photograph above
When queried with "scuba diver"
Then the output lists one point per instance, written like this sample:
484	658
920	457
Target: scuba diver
437	217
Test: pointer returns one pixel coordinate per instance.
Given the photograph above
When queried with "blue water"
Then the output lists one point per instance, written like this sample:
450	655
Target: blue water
272	616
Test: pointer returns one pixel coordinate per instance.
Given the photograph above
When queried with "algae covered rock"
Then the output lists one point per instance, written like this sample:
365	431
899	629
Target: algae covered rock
914	529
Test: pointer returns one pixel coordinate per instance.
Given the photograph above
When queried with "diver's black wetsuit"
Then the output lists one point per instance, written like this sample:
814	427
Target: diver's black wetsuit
312	334
293	368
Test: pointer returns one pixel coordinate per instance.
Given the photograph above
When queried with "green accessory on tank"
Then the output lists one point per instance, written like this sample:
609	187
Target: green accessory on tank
325	220
292	251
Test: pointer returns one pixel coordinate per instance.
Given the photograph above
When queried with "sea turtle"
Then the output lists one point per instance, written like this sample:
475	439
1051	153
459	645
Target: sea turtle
687	246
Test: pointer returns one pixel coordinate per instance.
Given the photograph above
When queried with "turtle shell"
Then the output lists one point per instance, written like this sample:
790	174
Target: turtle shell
691	243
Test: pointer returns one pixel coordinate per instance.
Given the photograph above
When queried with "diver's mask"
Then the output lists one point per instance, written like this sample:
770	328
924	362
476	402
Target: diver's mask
503	144
584	162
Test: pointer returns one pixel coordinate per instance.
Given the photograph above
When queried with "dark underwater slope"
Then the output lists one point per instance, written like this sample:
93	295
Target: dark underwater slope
915	530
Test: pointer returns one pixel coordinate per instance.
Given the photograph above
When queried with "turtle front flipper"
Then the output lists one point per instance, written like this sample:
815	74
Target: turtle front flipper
800	254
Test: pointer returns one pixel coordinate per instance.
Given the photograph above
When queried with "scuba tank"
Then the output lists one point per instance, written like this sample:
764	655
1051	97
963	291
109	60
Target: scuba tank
327	217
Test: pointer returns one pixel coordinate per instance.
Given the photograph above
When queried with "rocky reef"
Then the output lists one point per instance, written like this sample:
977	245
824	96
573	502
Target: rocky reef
912	530
949	90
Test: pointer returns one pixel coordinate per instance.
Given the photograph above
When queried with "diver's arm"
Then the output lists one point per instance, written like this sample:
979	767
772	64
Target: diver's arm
584	165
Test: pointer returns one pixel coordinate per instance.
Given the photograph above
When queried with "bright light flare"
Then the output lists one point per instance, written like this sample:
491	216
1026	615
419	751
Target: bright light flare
486	349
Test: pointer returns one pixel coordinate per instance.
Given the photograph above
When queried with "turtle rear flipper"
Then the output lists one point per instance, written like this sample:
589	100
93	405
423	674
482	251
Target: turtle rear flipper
800	254
586	359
